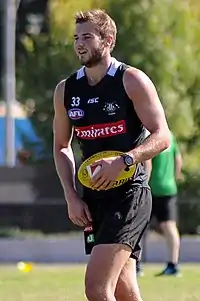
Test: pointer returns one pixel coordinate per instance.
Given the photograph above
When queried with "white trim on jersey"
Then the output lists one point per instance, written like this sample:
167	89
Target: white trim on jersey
113	67
80	73
111	71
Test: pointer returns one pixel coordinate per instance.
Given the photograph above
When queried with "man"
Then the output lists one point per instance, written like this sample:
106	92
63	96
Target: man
108	105
164	171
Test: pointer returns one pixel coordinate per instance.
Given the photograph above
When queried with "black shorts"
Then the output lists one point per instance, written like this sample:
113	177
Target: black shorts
164	208
122	222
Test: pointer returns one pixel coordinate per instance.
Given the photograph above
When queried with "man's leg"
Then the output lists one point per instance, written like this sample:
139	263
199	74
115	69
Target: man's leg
104	268
171	234
127	287
139	269
167	222
118	231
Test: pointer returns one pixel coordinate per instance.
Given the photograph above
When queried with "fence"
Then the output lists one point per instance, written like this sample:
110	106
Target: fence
32	198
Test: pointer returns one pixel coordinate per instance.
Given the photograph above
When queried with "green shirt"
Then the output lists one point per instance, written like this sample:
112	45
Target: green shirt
162	180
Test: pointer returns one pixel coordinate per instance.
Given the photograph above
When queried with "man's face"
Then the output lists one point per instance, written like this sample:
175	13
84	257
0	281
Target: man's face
88	44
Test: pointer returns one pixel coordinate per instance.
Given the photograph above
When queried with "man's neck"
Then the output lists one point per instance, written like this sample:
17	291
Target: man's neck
96	73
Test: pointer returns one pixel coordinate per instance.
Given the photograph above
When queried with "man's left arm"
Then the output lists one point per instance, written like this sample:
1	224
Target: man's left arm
178	160
148	107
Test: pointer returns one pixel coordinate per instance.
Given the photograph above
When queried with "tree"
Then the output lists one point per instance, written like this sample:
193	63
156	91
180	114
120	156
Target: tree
159	37
49	58
156	36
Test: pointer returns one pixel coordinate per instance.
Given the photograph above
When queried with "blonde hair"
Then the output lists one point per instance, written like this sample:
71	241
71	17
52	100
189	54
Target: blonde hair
105	25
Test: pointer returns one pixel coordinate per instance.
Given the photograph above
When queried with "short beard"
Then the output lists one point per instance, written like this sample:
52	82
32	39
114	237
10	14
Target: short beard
95	58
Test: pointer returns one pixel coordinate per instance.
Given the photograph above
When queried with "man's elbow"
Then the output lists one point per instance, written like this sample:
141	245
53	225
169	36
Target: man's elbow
56	147
61	146
166	139
63	151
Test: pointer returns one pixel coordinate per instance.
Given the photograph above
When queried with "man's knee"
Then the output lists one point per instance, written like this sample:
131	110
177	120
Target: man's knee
127	288
170	230
94	291
169	227
122	288
125	292
106	263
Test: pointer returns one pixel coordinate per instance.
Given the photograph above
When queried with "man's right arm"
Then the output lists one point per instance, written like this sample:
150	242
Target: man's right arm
63	155
64	160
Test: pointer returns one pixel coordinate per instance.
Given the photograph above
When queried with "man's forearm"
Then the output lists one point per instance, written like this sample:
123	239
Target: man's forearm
177	173
151	147
65	166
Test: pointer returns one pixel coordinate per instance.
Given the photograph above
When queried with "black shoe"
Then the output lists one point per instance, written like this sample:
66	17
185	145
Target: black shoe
170	270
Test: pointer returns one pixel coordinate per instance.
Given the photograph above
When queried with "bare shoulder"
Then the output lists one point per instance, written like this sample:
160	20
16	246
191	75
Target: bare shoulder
59	91
136	82
60	86
141	90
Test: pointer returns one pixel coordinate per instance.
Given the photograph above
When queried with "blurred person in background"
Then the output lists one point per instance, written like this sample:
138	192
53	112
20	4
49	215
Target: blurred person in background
23	157
164	170
108	105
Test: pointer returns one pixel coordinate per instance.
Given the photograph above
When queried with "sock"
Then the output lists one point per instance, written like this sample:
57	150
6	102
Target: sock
171	265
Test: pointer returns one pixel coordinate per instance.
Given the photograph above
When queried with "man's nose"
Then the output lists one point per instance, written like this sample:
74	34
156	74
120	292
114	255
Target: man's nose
80	43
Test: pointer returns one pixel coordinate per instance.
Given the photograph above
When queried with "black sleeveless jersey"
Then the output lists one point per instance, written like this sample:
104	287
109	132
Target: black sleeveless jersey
104	118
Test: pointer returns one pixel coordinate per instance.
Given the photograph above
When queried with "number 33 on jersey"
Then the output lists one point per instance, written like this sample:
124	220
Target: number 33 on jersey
75	101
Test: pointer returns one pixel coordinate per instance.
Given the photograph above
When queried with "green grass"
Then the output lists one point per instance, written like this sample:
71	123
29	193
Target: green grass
14	232
65	283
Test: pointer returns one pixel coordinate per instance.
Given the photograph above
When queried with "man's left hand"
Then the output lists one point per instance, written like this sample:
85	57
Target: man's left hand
111	168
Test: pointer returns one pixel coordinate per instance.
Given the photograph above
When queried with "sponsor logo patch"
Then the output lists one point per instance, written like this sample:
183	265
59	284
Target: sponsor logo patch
93	100
88	229
111	107
90	238
93	170
101	130
75	114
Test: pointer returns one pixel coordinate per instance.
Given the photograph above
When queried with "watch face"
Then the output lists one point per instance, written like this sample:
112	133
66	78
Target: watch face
128	160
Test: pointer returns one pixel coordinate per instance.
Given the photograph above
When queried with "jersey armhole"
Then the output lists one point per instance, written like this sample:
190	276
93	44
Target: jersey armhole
125	68
69	82
67	100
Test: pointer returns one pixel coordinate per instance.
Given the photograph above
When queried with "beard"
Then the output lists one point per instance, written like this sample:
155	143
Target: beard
95	57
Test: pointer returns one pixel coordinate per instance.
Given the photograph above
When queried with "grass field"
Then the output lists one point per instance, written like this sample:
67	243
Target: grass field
65	283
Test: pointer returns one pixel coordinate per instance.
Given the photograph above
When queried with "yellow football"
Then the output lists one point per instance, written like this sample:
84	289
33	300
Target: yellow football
86	171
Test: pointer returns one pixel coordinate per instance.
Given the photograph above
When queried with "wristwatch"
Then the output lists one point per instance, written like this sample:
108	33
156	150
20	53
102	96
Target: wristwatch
128	161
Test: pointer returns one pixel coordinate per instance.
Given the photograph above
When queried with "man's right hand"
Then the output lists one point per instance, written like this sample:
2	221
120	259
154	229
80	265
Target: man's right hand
78	212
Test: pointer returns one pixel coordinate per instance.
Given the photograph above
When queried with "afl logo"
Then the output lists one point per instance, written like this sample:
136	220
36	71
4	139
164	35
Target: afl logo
75	113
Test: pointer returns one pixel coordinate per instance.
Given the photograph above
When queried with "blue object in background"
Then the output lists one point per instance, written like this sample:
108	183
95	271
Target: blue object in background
25	133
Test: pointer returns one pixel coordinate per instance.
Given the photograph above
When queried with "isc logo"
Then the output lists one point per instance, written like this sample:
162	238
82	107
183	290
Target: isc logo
93	100
75	114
